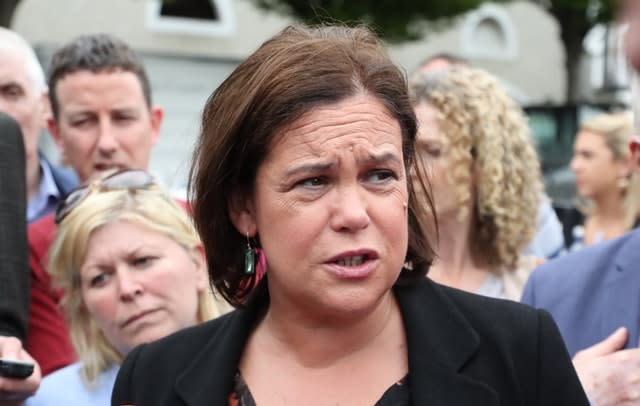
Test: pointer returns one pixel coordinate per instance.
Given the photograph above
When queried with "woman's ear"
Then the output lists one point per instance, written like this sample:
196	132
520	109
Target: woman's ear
626	167
242	215
200	260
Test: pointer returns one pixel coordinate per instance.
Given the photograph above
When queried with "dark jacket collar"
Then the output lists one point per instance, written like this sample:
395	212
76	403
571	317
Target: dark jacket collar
439	342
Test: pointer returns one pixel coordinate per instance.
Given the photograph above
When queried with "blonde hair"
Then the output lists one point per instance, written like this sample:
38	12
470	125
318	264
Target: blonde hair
490	142
151	208
617	129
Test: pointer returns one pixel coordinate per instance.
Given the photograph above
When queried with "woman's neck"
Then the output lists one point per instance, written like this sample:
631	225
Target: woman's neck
607	207
455	264
606	220
331	362
318	342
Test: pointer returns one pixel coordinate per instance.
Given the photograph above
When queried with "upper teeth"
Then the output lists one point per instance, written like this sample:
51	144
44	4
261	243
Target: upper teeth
352	261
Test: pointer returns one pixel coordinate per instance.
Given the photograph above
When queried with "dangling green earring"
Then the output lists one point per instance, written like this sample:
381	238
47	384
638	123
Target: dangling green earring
249	259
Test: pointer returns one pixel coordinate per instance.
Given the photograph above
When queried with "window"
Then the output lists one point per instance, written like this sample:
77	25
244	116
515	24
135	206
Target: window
488	33
198	9
192	17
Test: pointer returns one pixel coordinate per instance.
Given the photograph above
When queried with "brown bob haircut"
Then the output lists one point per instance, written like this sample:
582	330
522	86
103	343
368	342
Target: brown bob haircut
292	73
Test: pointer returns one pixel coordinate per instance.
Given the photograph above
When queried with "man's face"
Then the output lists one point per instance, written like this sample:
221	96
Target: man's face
103	122
20	99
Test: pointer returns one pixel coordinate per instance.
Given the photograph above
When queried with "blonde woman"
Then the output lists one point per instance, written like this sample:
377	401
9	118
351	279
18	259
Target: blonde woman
133	270
475	143
607	186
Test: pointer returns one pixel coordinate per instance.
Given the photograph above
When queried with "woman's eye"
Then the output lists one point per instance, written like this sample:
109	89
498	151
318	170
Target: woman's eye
98	280
433	152
381	175
313	182
142	262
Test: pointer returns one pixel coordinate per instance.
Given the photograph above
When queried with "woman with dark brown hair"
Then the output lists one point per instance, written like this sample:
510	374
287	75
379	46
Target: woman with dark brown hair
314	232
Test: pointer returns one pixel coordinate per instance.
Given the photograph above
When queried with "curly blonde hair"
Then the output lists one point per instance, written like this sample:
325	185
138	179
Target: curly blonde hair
490	142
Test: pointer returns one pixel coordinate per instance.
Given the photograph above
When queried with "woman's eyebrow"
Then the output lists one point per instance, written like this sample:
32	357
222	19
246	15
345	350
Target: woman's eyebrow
383	157
309	168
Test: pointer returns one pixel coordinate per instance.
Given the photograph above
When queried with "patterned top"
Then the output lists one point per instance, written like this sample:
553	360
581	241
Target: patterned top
397	395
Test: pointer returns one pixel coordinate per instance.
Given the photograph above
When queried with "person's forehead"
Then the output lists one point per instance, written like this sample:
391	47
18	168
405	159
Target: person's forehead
13	68
122	88
112	76
589	138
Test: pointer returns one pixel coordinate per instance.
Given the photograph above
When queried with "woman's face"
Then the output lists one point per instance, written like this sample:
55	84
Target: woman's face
329	207
596	170
140	285
433	148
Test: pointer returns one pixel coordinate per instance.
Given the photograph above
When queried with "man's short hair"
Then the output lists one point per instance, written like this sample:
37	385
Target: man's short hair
96	53
11	41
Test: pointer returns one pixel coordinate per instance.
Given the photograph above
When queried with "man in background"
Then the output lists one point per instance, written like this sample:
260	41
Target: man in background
103	118
23	96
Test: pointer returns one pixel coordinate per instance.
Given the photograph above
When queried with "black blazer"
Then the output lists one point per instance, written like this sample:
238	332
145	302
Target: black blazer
463	349
14	266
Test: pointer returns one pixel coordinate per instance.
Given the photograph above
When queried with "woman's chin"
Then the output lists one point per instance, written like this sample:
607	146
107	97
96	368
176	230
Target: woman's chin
352	304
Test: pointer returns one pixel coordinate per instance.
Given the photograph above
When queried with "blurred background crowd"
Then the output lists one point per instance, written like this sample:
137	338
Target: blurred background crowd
562	61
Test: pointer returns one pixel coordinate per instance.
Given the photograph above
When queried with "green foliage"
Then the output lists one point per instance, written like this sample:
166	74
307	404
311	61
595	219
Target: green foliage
395	20
404	20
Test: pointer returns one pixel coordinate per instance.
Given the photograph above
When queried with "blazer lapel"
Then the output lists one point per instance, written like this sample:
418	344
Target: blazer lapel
202	385
439	342
622	282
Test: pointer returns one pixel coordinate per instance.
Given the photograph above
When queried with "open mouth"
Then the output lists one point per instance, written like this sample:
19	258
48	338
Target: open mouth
352	261
354	264
106	167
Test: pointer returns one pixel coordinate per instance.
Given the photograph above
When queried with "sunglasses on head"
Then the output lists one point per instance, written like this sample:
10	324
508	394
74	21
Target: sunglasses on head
131	179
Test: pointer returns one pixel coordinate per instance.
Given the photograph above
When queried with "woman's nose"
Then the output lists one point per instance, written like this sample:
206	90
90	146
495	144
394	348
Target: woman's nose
574	164
350	211
128	285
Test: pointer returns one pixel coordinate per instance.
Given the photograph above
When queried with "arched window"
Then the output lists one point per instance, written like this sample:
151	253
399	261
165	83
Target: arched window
488	33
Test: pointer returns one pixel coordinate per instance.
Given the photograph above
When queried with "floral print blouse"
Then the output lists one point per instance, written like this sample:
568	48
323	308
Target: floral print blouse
396	395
